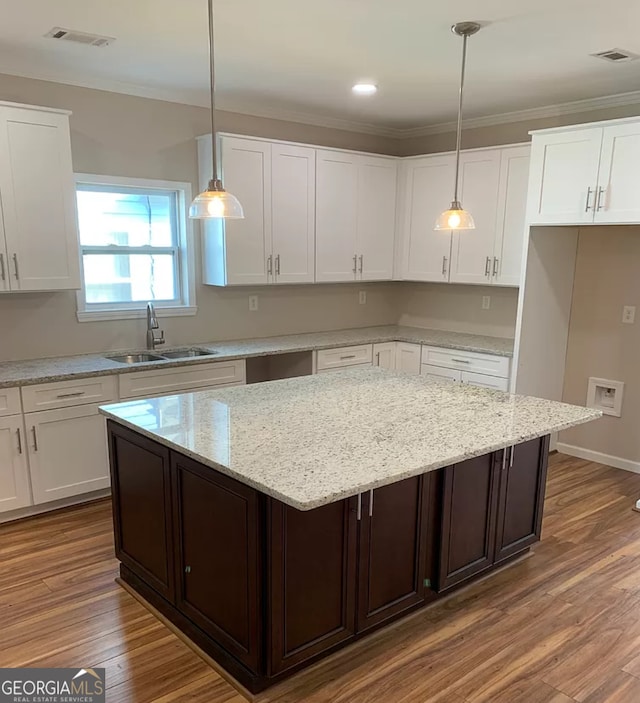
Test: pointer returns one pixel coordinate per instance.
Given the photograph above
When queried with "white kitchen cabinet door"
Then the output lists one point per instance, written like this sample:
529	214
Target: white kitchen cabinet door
472	250
336	216
384	355
617	201
408	358
246	166
564	176
429	189
482	381
439	373
41	238
15	491
512	209
293	192
67	452
377	183
4	260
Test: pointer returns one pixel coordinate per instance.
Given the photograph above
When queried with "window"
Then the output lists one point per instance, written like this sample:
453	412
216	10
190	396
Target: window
134	247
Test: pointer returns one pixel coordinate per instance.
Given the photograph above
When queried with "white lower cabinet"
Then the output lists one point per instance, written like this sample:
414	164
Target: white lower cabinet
408	357
472	368
484	381
384	355
15	490
67	452
438	373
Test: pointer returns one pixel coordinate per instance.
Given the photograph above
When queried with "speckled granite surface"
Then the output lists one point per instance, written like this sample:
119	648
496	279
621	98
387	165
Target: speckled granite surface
20	373
314	440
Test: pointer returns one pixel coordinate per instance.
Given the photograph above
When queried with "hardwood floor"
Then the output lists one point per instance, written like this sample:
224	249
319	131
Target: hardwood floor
560	626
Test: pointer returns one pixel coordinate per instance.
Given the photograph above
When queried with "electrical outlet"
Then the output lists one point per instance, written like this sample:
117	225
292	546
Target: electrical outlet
362	297
253	303
629	314
486	302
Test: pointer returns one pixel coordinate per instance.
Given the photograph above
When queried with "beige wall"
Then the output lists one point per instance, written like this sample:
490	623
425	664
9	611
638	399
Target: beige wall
607	278
122	135
459	308
510	133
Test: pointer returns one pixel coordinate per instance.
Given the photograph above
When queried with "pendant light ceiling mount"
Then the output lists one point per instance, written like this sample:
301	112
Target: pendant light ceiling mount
456	217
215	202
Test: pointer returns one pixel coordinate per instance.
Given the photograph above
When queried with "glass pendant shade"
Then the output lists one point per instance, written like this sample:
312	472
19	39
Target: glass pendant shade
215	202
455	218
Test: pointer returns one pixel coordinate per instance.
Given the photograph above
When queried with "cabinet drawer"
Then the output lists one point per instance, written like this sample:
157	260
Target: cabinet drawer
176	380
474	362
341	368
10	401
484	381
344	356
439	373
65	394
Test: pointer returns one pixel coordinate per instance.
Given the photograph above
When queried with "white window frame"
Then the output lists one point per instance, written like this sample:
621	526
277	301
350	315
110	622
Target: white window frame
91	312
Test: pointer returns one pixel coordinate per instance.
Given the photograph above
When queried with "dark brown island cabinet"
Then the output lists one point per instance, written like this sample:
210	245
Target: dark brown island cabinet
266	589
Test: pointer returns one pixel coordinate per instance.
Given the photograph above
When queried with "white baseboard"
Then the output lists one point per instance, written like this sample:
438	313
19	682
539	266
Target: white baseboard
33	510
600	458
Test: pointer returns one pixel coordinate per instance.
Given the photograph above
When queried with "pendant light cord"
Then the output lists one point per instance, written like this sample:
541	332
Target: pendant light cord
459	130
212	77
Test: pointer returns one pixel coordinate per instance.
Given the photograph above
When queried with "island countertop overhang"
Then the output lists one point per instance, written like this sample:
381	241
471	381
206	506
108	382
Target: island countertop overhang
318	439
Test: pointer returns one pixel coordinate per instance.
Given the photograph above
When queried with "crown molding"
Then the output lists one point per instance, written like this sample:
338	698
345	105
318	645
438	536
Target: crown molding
24	70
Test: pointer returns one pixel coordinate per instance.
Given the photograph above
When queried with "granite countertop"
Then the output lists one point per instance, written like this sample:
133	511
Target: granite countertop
22	373
317	439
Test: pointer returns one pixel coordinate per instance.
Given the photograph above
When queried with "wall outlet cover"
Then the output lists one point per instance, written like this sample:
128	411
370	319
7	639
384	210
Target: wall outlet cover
253	303
486	302
362	297
629	314
606	395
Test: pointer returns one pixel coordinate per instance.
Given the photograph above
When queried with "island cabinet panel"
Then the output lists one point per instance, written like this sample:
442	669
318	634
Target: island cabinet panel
523	477
140	479
393	550
468	520
312	581
218	557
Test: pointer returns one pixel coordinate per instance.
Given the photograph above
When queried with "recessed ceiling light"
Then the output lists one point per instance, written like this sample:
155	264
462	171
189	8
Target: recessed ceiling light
365	88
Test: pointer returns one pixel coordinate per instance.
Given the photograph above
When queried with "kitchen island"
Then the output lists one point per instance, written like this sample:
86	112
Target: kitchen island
276	523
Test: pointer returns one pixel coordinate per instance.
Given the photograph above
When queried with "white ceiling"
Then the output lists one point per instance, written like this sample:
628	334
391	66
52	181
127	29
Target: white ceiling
297	58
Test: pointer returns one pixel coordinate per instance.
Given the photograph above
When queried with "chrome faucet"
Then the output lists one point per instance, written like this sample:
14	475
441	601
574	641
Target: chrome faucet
152	325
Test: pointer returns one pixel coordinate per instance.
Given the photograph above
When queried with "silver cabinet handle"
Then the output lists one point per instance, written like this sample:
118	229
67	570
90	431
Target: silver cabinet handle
19	441
504	458
35	439
371	503
496	263
269	265
599	204
349	356
361	260
2	272
359	509
377	358
187	569
355	263
444	265
461	361
15	266
587	207
513	451
487	267
70	395
278	265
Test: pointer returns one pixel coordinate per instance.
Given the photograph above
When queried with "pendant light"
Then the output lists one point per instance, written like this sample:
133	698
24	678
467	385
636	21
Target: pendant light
214	202
456	218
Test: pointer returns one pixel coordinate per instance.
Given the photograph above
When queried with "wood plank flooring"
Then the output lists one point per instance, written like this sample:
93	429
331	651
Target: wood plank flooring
558	627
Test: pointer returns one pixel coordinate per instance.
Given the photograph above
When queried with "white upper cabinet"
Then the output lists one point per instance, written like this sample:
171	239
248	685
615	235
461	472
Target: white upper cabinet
355	216
428	189
377	182
38	241
293	188
472	250
512	208
617	199
586	175
564	176
336	216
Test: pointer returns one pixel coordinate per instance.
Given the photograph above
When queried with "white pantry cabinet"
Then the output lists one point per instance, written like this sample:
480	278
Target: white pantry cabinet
15	490
274	243
585	174
355	216
38	242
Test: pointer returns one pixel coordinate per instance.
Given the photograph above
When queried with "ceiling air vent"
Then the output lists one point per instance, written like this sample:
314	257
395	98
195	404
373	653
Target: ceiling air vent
79	37
616	55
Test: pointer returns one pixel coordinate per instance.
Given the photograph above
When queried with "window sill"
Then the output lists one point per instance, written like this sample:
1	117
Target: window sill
138	313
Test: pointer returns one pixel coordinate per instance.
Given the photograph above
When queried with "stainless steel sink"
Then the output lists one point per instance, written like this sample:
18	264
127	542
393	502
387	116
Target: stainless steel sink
187	353
135	358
